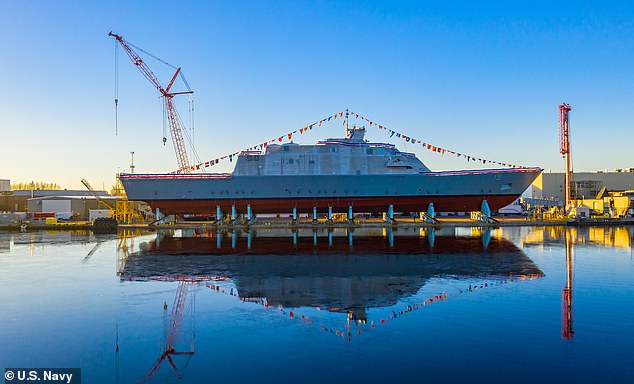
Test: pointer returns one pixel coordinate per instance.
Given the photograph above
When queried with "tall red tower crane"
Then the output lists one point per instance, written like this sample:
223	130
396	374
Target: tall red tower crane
173	118
564	148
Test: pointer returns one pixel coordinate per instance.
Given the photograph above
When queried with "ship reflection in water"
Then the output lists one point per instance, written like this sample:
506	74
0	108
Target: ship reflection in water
336	270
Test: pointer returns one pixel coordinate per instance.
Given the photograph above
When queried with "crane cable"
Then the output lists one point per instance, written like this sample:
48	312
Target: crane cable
191	125
187	137
164	119
116	88
149	54
572	190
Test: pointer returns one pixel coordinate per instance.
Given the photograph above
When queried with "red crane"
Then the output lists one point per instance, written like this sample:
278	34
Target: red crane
564	148
172	115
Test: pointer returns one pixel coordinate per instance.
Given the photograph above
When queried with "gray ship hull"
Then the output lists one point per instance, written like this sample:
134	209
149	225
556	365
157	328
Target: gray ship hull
452	191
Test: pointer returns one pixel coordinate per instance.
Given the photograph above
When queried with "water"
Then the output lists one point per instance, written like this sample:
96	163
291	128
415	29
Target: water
374	306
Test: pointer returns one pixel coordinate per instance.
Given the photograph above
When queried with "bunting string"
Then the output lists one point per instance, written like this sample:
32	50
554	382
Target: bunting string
362	326
409	139
430	147
260	147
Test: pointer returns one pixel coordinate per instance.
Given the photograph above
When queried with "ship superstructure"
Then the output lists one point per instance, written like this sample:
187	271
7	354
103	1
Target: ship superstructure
348	156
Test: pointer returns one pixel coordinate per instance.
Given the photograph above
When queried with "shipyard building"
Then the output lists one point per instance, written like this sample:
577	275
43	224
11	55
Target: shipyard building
609	194
583	185
74	203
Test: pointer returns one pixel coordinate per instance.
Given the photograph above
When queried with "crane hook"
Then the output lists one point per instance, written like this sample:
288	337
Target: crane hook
164	140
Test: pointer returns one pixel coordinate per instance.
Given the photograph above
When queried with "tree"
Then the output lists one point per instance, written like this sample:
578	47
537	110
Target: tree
35	185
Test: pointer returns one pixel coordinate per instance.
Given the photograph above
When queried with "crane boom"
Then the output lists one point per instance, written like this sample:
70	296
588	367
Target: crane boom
99	199
176	126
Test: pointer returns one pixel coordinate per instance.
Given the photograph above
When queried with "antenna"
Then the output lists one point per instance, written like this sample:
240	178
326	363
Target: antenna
132	162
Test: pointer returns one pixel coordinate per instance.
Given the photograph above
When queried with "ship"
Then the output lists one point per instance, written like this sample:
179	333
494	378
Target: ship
333	175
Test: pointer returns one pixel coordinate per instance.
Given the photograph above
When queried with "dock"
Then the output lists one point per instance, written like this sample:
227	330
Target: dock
286	223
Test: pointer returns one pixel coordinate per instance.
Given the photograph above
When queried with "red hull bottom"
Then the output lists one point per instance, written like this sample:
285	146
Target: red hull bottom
359	204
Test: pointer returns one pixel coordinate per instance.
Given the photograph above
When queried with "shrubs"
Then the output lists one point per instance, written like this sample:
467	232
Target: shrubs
104	225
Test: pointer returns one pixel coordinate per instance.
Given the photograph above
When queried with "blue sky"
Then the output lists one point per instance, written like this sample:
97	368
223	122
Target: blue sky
483	79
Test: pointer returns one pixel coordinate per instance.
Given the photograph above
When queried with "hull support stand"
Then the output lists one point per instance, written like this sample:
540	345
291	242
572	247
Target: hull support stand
429	217
219	219
389	217
250	217
484	215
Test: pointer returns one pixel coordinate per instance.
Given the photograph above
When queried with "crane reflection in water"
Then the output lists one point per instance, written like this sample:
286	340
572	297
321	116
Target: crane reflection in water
569	238
176	342
566	294
173	333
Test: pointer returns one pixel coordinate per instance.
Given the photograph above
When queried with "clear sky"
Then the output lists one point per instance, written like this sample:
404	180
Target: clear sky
480	78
